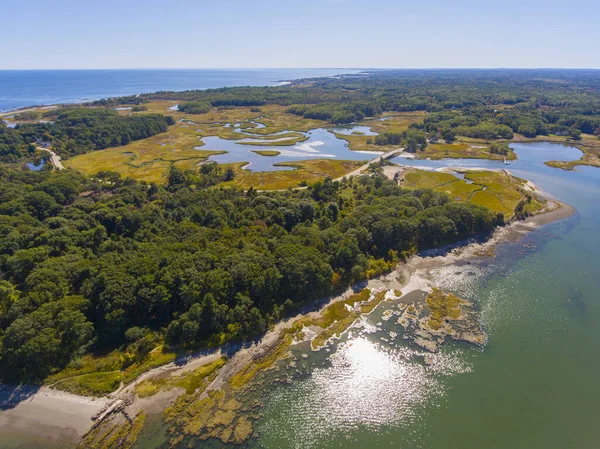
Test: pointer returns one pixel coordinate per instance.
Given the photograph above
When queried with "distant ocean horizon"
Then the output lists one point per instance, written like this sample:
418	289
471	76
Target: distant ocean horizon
22	88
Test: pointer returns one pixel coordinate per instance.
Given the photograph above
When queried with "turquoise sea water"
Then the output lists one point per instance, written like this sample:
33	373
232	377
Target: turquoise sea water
19	88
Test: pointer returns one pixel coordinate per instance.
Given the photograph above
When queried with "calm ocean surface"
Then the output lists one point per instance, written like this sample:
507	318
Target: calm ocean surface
20	88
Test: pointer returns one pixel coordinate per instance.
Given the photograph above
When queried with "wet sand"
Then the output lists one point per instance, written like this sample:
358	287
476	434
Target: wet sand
55	415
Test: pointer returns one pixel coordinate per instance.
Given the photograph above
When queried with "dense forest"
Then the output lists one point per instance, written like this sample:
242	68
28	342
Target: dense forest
77	130
95	264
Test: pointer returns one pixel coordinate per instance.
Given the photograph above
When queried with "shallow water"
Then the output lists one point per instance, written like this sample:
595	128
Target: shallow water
35	167
320	144
533	386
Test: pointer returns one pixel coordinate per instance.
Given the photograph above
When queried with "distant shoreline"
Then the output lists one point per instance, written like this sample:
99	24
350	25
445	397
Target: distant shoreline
71	86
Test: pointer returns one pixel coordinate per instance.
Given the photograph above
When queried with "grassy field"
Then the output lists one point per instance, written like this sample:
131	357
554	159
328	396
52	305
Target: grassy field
463	148
100	374
305	172
268	153
498	191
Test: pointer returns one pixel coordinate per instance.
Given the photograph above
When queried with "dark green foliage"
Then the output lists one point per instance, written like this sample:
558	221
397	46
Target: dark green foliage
12	145
78	130
500	148
337	113
195	107
127	261
412	139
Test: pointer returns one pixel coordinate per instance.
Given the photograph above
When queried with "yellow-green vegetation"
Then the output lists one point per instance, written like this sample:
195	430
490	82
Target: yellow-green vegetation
442	307
496	190
269	153
490	251
468	149
309	171
116	437
98	375
590	145
394	123
397	123
148	159
338	317
190	382
287	139
95	384
248	372
427	179
219	414
214	415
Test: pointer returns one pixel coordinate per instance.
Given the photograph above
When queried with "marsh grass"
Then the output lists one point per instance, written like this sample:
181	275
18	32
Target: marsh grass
442	307
309	171
190	382
267	153
496	190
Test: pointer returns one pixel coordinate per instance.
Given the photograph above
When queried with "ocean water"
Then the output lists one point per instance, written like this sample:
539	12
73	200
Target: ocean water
20	88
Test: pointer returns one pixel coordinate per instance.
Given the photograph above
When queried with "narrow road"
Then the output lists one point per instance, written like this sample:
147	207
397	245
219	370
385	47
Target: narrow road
55	158
379	158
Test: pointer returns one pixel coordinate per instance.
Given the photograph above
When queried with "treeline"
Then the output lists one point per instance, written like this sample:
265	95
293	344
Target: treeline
412	139
195	107
337	113
12	145
91	264
78	130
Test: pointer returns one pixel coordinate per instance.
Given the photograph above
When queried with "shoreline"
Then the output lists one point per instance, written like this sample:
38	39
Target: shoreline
53	414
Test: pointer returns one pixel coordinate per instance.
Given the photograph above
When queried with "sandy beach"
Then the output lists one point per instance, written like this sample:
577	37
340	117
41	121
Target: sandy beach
54	415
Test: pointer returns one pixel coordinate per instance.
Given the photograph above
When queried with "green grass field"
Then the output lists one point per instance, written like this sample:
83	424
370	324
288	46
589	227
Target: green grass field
308	172
496	190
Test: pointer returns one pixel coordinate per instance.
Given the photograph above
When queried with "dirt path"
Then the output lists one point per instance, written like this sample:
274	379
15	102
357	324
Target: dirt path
379	158
55	158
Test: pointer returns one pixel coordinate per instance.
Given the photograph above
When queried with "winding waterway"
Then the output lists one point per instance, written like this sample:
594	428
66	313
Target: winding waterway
319	144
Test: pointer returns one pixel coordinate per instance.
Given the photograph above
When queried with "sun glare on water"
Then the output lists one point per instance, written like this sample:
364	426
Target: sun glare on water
367	384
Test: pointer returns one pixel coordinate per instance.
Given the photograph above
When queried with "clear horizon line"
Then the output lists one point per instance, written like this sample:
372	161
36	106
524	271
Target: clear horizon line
301	68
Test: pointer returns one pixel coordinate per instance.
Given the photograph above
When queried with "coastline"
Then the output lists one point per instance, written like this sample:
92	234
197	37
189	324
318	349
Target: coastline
53	414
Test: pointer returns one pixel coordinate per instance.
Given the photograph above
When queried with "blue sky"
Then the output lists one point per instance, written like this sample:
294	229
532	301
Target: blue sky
299	33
